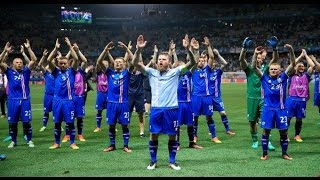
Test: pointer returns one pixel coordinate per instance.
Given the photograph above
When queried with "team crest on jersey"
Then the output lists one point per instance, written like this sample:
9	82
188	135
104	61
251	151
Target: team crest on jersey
279	80
213	77
202	75
17	77
117	76
64	78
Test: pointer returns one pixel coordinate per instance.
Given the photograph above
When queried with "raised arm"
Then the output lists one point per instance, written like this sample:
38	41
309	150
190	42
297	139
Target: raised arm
290	69
6	55
194	44
26	58
192	59
299	58
110	58
223	62
172	46
100	66
194	47
153	61
128	57
7	49
149	64
247	42
309	61
172	53
54	51
175	57
258	72
51	60
59	55
68	54
43	58
141	43
89	71
316	63
273	42
128	53
83	59
74	55
209	50
33	57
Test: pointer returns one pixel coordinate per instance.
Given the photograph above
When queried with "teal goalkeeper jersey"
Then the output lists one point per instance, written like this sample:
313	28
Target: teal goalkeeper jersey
253	82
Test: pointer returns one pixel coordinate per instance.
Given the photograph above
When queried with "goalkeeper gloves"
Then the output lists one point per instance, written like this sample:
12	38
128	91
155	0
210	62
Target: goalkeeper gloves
247	43
273	42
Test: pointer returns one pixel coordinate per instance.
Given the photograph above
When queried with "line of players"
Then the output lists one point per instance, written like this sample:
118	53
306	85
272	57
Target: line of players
120	90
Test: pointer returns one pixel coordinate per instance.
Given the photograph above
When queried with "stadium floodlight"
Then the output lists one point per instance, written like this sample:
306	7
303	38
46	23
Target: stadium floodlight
62	7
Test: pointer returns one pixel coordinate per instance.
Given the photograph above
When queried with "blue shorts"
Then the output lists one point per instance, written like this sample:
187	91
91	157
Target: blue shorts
63	110
118	111
147	96
101	100
163	121
47	103
296	108
316	99
274	118
202	105
19	109
185	115
137	102
79	110
217	104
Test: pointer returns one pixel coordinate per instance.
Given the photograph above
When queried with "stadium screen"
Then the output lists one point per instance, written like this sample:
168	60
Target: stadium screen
76	17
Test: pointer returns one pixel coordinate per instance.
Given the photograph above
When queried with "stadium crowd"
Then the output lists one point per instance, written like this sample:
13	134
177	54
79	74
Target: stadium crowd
225	25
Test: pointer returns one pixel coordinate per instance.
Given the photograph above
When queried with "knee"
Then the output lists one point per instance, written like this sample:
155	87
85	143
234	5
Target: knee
223	113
